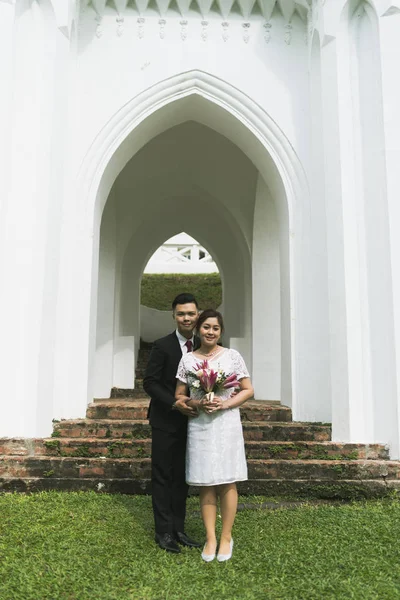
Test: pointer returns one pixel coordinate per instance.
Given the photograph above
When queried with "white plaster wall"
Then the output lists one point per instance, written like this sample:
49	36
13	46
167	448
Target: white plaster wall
155	323
50	231
254	67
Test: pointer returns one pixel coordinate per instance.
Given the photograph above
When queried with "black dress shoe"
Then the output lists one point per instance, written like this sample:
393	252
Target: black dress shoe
167	542
185	540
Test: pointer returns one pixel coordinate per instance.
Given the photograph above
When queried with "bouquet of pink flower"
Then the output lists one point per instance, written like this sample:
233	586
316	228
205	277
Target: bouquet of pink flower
212	381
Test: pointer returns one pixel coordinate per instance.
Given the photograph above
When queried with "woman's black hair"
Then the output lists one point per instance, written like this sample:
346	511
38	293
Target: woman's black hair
210	313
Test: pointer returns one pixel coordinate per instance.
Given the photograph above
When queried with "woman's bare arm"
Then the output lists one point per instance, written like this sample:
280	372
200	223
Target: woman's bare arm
183	403
246	392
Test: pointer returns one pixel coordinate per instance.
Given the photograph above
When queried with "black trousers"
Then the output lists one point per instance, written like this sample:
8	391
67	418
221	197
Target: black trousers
169	488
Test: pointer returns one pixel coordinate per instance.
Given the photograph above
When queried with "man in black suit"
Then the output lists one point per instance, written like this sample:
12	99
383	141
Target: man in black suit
168	420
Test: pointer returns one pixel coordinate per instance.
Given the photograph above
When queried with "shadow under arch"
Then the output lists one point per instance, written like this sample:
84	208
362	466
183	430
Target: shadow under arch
225	242
209	100
225	254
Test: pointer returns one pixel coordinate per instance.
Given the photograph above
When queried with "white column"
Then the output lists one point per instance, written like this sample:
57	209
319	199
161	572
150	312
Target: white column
389	420
7	34
266	334
9	420
364	395
350	380
26	224
313	401
103	369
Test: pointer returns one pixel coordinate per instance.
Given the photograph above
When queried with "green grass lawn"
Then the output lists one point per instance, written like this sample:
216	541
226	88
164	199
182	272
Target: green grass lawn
83	546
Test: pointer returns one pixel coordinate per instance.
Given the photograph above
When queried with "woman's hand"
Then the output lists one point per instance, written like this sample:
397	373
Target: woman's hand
211	405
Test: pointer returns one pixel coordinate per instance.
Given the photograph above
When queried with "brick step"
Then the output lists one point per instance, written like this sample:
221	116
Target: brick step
95	447
140	429
256	450
121	409
314	451
139	372
141	448
102	428
139	468
286	431
124	409
345	489
136	393
327	489
260	410
139	381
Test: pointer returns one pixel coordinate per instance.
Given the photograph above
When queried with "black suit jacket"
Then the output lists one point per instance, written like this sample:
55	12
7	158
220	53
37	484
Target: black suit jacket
160	383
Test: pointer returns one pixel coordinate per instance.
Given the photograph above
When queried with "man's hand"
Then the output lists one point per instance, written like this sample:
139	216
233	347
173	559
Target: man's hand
184	408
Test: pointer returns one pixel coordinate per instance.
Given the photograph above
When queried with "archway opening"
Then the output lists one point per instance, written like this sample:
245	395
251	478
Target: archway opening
198	97
191	178
180	264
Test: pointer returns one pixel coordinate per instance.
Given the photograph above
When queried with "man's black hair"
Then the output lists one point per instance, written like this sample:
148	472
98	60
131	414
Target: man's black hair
184	299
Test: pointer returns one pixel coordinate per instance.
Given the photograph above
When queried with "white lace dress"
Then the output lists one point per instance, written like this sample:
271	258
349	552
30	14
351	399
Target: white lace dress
215	446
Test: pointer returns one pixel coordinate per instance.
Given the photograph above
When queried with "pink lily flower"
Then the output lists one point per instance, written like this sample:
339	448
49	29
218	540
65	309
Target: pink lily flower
208	379
233	384
201	365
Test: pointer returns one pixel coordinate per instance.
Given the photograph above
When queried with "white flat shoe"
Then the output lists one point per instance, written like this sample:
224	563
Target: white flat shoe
224	557
207	557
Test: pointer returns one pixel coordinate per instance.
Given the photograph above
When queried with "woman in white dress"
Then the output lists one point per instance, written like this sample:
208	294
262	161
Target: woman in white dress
215	457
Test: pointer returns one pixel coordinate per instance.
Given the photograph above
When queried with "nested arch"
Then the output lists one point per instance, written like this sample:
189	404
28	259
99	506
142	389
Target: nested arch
206	99
118	323
228	248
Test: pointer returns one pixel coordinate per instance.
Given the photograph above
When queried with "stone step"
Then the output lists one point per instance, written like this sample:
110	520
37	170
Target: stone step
327	489
260	410
139	468
102	428
131	409
97	447
302	450
118	409
22	447
141	448
286	431
136	393
139	373
345	489
140	429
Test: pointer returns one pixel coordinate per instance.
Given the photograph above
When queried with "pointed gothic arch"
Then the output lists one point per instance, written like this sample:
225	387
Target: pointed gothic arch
207	99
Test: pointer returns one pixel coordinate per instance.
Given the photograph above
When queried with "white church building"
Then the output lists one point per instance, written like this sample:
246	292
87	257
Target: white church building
269	130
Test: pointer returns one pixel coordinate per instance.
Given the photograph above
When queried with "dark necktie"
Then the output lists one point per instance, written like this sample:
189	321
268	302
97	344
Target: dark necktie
189	345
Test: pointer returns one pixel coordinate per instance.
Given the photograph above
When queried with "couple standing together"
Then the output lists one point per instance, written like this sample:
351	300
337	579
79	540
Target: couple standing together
197	437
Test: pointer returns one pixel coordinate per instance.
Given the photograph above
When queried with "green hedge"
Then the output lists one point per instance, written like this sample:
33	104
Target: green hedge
158	290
